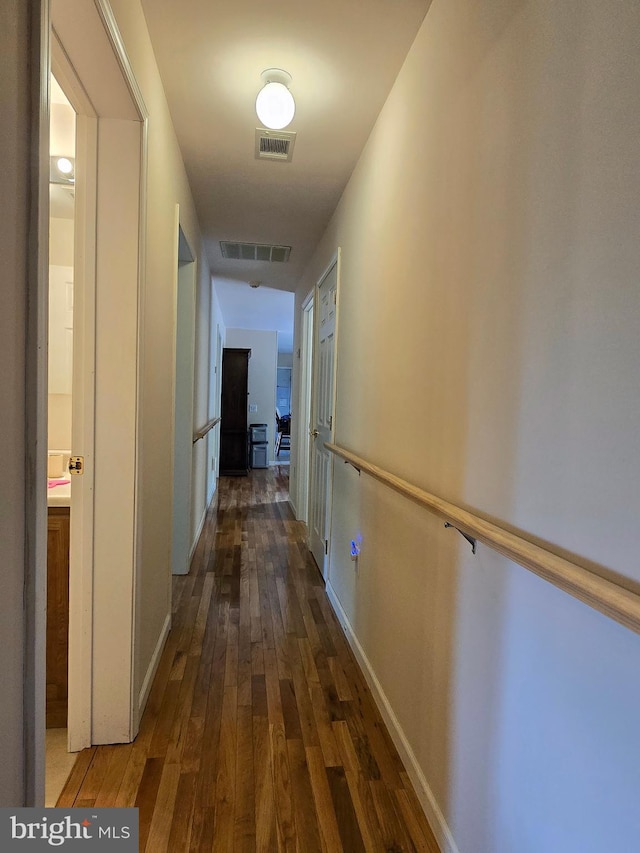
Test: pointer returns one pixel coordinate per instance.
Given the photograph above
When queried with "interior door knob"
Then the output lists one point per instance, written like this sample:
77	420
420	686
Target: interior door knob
314	433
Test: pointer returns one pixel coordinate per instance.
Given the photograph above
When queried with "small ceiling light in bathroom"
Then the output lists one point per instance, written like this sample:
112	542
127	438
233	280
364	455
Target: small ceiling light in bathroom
62	170
275	105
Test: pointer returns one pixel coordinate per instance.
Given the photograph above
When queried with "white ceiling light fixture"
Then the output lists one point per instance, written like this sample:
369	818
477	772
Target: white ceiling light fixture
275	105
62	170
65	165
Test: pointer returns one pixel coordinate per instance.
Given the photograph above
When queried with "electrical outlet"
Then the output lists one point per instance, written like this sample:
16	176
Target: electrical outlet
253	407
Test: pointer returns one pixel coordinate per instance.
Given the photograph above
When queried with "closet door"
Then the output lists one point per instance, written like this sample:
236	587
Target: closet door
234	453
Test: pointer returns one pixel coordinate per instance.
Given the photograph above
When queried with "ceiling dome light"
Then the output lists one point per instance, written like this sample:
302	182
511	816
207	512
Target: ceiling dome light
275	105
65	165
61	170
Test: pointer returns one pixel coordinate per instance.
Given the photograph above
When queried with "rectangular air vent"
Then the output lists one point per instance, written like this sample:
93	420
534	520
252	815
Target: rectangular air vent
254	252
274	145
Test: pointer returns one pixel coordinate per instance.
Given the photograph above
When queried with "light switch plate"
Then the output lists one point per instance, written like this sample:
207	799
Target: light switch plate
253	407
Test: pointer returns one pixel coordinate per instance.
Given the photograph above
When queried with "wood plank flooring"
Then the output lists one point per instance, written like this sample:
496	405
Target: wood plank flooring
260	733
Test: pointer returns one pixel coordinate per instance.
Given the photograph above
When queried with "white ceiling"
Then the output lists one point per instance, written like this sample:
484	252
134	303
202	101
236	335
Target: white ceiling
343	56
245	307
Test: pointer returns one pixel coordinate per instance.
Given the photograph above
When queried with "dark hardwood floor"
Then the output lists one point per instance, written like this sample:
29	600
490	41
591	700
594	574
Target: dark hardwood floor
260	733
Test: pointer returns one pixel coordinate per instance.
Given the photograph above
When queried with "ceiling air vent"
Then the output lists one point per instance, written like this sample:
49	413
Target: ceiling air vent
274	145
254	252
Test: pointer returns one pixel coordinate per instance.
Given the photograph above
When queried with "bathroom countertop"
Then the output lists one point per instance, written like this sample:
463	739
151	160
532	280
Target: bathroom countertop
59	495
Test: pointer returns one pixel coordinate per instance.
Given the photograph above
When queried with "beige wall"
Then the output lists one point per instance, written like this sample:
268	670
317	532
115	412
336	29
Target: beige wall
59	433
167	185
14	179
61	241
489	352
59	409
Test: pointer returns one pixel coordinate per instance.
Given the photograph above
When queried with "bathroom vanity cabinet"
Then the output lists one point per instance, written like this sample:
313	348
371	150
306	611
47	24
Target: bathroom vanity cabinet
57	616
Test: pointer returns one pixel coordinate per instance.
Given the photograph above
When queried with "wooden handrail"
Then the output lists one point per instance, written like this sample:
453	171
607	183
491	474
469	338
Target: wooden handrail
205	429
608	597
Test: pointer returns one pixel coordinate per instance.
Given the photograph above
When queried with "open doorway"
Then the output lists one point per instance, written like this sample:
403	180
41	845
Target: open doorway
183	396
304	408
62	181
94	282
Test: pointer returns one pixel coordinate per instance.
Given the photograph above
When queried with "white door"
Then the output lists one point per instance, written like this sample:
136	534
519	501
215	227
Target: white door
83	339
322	417
107	350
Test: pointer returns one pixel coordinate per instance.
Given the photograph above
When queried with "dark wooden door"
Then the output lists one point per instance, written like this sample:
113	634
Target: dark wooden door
234	450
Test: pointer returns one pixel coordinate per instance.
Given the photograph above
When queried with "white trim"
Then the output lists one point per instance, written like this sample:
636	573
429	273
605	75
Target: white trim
185	278
81	550
110	24
425	794
111	27
337	260
304	383
153	665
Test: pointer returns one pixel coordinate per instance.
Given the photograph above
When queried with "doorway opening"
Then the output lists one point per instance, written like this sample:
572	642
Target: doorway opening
62	186
95	271
304	418
183	396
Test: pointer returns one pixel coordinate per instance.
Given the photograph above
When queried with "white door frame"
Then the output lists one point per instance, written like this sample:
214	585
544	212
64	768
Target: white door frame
184	340
103	707
304	405
83	403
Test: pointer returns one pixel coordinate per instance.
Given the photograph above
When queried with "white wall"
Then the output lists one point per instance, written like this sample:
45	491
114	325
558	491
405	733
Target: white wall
262	376
489	352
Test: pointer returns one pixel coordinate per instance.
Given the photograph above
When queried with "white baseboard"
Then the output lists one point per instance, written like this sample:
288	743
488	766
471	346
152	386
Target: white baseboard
153	665
425	794
292	507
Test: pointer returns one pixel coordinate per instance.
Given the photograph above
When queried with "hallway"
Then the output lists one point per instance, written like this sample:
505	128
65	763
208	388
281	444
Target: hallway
260	732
